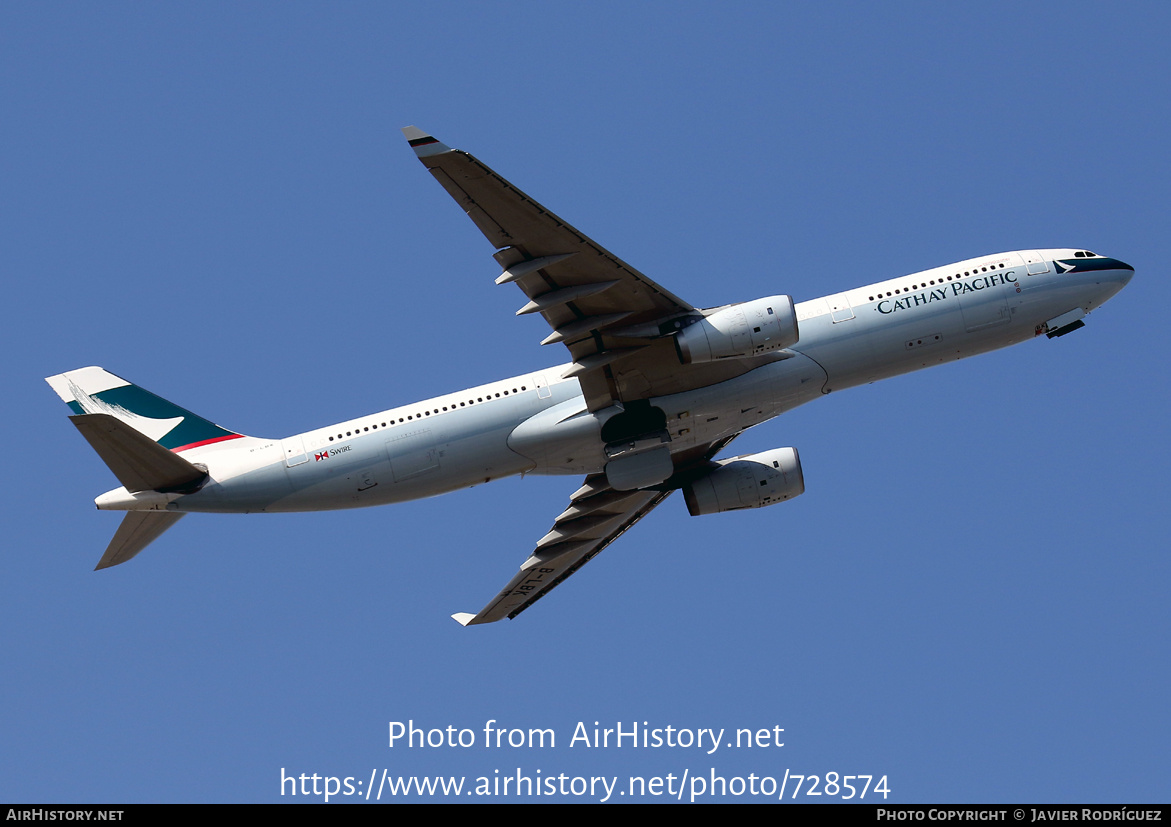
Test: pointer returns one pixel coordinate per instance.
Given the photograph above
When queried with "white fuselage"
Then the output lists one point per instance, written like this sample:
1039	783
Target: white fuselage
538	422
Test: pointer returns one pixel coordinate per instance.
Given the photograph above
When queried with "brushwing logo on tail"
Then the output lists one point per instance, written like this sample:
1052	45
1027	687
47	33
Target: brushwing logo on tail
94	390
156	429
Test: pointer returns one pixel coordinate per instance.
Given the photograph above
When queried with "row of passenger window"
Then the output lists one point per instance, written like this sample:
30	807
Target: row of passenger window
972	272
417	415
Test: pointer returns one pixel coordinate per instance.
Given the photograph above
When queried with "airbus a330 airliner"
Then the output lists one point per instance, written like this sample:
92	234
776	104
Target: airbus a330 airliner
655	391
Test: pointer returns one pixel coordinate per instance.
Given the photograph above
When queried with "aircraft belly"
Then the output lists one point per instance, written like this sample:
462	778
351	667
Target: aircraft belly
248	492
563	439
707	414
566	439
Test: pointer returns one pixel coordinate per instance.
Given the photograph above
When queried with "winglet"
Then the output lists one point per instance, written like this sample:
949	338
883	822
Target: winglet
462	618
422	143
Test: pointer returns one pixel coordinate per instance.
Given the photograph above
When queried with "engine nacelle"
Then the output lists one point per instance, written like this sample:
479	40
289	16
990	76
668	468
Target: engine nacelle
747	329
750	481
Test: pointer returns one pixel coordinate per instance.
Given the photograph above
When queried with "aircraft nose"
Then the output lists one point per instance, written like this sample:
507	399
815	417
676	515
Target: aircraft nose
1124	270
1112	275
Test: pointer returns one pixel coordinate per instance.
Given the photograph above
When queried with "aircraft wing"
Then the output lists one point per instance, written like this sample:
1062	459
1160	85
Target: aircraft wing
597	516
616	322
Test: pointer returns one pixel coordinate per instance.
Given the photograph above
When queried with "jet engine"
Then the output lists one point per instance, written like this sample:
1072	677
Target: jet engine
747	329
749	481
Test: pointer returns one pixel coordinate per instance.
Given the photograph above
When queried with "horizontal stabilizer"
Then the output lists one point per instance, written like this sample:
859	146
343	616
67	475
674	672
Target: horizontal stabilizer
139	463
138	530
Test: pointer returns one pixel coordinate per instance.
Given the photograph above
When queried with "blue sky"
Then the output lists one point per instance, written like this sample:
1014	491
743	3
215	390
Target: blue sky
215	202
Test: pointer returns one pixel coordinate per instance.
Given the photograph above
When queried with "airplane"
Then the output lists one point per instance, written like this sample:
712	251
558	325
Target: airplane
655	391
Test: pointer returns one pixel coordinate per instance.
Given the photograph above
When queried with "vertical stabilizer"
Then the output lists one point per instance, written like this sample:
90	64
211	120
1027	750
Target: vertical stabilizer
94	390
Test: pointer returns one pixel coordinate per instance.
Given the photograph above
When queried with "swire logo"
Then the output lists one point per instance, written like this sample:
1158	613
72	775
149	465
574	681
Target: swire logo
331	452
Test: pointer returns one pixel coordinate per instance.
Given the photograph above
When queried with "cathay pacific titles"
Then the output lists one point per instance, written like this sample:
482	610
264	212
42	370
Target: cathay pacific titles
958	288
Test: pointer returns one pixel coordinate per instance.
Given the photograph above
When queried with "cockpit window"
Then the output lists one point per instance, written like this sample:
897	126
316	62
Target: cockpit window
1085	254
